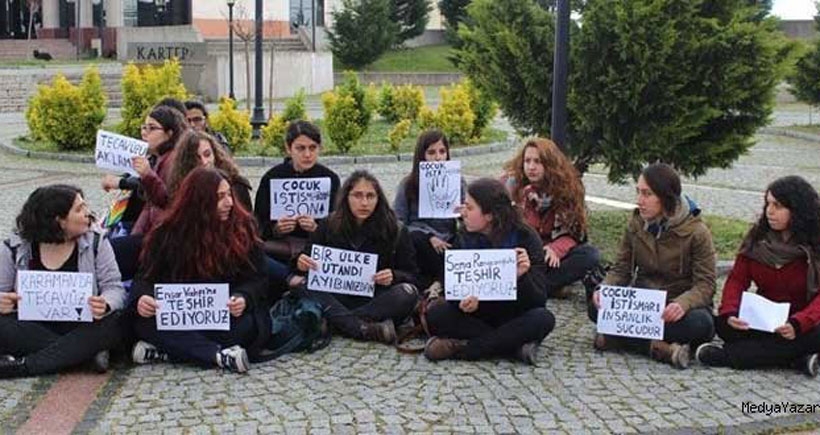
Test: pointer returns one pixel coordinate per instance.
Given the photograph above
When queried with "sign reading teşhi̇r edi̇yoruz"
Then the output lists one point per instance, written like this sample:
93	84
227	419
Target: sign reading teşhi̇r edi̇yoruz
489	274
192	307
631	312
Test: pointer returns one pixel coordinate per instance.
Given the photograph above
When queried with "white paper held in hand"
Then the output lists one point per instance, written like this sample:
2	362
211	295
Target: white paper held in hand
761	313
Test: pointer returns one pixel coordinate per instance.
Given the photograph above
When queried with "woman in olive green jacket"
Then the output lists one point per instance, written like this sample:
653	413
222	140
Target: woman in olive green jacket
667	247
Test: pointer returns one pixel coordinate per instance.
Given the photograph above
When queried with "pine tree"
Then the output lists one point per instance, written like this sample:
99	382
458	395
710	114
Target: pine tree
411	16
362	31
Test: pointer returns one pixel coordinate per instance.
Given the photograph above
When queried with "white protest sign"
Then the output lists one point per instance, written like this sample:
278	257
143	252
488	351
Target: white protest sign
114	152
439	189
299	196
54	296
489	274
192	307
631	312
761	313
343	271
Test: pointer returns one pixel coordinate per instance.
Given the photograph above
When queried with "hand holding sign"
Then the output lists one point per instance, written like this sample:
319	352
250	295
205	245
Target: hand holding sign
383	277
8	301
140	165
786	331
307	223
98	306
469	304
236	305
147	306
522	259
305	263
286	225
672	313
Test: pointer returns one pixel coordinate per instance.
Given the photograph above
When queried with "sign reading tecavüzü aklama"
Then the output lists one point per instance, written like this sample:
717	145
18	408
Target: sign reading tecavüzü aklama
631	312
54	296
114	152
158	52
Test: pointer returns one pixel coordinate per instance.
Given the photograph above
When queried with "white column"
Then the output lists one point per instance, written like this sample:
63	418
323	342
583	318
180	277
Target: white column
113	13
86	14
277	10
51	14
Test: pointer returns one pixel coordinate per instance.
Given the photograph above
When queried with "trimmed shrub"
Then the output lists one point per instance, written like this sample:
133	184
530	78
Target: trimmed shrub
273	134
455	117
364	98
296	107
402	102
142	87
234	124
67	115
483	106
341	120
397	134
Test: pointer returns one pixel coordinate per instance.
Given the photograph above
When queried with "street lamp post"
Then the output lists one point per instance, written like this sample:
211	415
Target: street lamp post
559	75
230	48
258	119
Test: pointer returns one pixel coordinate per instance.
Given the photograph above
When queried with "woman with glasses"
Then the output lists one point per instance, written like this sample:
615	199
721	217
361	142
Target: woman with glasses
364	222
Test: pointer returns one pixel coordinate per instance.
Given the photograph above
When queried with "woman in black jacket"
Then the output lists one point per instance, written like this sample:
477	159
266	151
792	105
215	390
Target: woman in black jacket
470	329
364	222
203	239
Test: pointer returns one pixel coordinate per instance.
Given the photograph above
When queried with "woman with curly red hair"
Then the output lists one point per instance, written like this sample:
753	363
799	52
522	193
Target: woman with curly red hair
547	188
204	238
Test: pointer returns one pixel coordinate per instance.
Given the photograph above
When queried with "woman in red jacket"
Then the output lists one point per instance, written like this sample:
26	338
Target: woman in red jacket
781	255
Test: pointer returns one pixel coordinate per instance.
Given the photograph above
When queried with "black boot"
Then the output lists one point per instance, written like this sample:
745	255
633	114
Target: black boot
11	367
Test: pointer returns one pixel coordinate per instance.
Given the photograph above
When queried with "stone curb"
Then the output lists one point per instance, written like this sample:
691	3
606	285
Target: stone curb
780	131
259	161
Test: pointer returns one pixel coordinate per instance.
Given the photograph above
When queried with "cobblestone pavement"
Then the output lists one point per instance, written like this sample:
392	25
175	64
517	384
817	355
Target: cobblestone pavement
353	387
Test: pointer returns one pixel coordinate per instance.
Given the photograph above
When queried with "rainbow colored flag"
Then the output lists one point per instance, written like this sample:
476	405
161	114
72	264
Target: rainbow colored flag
117	208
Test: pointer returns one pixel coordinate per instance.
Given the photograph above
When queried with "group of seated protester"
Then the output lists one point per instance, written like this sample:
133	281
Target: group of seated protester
197	226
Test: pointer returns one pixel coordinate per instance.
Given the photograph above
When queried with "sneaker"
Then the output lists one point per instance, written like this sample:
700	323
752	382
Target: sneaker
383	332
528	353
434	291
603	342
11	367
144	353
677	355
233	359
810	365
439	348
711	354
100	362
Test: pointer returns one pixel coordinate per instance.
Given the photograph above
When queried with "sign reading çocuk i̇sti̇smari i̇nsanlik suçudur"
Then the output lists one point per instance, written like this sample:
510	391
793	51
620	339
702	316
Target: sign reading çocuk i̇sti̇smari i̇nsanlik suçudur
342	271
439	189
114	152
54	296
291	197
631	312
192	307
489	274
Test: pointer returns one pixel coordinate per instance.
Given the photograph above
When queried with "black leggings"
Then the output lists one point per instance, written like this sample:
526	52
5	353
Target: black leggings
489	337
348	313
49	347
430	262
573	267
198	347
752	349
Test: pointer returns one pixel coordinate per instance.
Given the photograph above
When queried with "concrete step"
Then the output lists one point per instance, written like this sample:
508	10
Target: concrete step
23	49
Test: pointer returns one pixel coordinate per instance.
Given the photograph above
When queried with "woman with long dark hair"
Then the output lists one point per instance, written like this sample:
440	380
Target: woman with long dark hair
199	149
666	246
54	235
431	237
547	188
204	238
364	222
471	329
781	255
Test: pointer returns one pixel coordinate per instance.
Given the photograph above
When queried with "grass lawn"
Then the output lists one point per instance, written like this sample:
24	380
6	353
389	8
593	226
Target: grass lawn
813	128
606	229
26	63
432	58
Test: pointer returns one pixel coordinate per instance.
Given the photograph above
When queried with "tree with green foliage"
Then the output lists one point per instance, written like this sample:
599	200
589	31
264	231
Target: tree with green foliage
684	82
411	16
508	53
805	80
454	13
362	31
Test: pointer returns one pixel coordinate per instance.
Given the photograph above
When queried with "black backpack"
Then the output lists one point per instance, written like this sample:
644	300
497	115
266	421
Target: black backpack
297	325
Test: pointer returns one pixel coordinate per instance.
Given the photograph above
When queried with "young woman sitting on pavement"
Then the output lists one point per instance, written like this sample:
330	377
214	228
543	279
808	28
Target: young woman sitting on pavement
364	222
431	237
547	188
470	329
54	235
198	149
668	247
781	255
204	238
